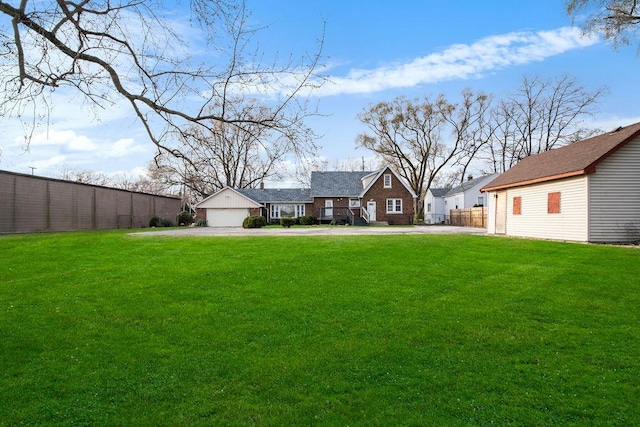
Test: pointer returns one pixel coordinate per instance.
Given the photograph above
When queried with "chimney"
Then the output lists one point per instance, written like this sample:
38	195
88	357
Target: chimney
262	185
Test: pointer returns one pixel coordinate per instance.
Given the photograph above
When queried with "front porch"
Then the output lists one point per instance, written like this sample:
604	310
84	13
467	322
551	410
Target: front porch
343	216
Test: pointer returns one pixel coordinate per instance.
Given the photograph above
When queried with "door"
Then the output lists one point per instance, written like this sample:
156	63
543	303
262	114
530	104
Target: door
501	212
226	217
371	210
328	208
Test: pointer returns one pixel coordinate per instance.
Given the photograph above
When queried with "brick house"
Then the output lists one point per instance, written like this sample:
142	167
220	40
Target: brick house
357	198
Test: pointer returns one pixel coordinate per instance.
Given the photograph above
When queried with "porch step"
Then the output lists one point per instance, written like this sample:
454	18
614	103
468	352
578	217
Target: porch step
378	223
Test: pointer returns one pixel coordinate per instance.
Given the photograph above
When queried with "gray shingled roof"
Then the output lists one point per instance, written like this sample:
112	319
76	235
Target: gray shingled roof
438	192
574	159
270	195
471	183
337	184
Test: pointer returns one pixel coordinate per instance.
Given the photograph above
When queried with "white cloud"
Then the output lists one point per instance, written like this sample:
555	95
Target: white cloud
43	165
125	147
67	139
460	61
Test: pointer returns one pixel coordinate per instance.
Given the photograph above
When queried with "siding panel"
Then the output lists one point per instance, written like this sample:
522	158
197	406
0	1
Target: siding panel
534	221
615	197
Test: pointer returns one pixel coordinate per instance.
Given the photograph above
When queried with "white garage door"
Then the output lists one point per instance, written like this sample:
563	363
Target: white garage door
226	217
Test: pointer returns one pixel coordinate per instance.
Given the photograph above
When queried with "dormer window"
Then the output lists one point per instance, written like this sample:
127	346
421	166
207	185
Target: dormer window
387	180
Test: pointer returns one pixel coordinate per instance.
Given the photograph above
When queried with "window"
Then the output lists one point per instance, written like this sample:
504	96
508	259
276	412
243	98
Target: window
387	180
480	201
292	211
354	203
394	205
428	207
553	203
517	205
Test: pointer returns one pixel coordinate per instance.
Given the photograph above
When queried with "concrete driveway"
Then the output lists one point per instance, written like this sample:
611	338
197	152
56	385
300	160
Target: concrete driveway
313	231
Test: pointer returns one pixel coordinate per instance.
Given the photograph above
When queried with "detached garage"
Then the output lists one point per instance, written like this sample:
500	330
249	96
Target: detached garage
227	208
588	191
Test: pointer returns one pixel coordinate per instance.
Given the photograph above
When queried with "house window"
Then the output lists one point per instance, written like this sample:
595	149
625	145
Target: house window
553	203
428	207
354	203
480	201
387	180
394	206
291	211
517	205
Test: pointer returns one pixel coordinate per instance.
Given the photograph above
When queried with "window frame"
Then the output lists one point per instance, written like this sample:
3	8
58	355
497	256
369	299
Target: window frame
275	210
396	205
386	180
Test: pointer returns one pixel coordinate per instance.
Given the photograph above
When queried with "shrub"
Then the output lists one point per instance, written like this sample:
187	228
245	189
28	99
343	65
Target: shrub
337	222
154	222
166	222
254	221
201	223
308	220
185	218
287	221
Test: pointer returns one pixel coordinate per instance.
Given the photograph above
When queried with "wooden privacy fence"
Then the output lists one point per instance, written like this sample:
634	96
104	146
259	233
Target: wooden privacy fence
471	217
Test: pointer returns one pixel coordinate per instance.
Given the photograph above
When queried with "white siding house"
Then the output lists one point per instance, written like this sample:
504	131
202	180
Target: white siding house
438	202
588	191
434	212
227	208
468	194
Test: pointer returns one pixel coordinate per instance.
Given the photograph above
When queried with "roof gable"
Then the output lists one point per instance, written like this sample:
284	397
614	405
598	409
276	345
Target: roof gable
579	158
398	178
227	198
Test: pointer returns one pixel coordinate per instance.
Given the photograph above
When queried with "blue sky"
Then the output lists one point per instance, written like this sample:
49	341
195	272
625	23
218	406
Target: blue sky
373	51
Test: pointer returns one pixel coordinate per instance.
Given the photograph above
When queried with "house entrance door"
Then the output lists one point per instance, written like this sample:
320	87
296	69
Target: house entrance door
371	210
501	212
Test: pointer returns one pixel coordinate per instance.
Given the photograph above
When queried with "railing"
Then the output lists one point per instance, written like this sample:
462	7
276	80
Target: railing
337	213
364	213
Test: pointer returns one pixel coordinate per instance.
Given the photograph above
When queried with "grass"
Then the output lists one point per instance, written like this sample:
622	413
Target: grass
109	329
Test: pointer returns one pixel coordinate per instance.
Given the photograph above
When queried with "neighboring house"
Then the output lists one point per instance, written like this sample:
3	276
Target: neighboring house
353	197
440	201
434	206
588	191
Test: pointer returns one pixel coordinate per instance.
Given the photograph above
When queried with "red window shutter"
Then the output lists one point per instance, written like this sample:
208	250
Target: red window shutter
517	205
553	203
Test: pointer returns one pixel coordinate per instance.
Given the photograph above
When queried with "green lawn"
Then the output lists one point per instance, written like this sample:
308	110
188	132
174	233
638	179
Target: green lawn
103	328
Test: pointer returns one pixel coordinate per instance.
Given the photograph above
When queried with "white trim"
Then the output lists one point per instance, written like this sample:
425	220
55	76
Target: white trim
394	205
251	202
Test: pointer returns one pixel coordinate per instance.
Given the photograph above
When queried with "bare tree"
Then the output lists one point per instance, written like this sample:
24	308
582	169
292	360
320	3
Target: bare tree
617	20
68	173
541	115
421	137
138	51
226	155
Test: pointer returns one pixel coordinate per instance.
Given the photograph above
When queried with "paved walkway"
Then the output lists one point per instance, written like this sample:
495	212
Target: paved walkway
313	231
